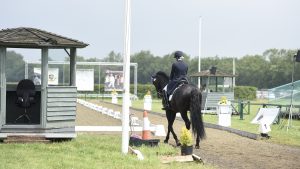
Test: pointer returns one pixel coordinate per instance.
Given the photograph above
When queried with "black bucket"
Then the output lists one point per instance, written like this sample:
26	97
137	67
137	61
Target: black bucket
186	150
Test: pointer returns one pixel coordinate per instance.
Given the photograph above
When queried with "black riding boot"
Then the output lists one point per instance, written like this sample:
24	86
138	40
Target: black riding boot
165	101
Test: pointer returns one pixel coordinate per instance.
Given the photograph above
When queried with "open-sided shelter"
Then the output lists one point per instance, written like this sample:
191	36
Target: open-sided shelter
214	85
54	112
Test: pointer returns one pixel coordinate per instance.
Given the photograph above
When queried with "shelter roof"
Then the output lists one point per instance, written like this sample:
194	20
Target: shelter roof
206	73
23	37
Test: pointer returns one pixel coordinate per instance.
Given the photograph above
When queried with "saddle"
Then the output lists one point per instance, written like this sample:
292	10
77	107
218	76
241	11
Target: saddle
181	83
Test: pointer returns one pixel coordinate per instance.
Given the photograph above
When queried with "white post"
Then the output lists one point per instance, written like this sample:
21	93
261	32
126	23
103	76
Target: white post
2	86
199	58
126	73
44	85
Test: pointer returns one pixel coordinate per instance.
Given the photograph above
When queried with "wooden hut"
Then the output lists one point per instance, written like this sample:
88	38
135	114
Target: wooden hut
214	85
54	111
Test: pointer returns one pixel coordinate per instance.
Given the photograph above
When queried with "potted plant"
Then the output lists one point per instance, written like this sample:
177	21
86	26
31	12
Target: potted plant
186	142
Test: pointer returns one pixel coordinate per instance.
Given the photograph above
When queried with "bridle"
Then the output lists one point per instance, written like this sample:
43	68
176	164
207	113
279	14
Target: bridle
158	89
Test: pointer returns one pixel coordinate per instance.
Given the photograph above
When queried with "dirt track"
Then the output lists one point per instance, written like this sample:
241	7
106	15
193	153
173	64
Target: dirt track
221	149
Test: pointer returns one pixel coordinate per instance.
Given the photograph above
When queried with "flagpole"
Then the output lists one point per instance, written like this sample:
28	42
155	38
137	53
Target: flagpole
199	58
126	75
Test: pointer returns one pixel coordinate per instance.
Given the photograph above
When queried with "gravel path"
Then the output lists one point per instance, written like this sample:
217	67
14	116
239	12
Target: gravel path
221	149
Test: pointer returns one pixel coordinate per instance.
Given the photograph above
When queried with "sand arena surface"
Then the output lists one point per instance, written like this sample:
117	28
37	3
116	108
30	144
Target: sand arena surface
221	149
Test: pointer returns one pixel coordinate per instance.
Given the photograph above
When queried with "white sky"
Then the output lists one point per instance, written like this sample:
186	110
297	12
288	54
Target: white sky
231	28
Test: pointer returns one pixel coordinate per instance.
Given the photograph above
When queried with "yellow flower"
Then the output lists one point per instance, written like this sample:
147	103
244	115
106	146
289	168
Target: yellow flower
223	100
186	137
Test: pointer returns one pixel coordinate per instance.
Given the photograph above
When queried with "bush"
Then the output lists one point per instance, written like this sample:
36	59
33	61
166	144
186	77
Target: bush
245	92
186	137
142	89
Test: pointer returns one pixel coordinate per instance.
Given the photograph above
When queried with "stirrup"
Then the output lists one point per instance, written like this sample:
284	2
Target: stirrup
166	108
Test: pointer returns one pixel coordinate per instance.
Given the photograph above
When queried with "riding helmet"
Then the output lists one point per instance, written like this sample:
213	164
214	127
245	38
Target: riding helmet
178	54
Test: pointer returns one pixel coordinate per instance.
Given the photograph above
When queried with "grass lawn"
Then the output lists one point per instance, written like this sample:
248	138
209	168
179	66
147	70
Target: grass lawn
278	134
87	151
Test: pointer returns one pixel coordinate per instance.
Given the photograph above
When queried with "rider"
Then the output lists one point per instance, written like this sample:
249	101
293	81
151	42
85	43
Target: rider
178	74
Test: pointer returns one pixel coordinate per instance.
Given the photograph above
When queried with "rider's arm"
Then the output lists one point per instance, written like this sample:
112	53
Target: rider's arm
172	71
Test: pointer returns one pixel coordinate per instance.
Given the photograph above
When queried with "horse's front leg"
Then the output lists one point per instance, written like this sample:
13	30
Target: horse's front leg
168	135
171	118
175	137
171	122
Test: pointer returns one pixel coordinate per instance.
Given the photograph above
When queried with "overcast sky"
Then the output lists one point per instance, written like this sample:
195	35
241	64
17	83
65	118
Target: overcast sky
231	28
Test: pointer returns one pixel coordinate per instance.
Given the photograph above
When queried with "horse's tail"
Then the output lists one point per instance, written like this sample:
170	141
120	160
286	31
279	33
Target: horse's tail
195	113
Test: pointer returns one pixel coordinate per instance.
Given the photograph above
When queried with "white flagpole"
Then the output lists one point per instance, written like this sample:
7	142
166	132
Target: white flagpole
126	75
199	58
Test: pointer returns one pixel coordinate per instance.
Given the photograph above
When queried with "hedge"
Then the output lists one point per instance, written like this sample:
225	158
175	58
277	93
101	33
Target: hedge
245	92
240	92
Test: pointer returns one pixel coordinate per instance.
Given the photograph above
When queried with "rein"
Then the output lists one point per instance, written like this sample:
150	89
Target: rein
160	82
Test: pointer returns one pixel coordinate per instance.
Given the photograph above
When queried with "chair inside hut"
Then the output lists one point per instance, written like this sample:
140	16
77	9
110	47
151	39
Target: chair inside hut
23	93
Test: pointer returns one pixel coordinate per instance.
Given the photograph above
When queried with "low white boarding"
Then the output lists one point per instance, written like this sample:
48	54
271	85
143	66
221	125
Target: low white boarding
158	130
108	128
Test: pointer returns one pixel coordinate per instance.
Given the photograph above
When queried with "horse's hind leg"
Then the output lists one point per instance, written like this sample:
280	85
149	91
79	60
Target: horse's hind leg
186	120
188	126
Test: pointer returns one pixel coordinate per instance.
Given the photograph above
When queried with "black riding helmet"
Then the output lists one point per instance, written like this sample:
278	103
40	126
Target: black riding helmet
178	54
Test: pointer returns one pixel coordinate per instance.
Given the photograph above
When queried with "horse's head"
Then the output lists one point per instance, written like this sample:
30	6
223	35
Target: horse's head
160	80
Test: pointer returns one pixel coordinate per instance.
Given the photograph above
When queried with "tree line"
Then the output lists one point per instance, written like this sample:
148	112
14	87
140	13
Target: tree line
270	69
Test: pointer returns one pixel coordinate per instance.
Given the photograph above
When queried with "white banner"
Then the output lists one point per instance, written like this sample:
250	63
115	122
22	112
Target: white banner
52	76
266	114
85	79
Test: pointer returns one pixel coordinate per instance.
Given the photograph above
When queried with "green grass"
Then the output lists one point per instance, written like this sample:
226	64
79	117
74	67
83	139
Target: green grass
85	152
279	134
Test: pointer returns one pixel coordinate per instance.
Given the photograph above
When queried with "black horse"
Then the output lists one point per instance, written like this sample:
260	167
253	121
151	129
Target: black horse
186	98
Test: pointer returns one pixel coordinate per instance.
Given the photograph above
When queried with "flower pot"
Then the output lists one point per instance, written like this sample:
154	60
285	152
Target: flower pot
186	150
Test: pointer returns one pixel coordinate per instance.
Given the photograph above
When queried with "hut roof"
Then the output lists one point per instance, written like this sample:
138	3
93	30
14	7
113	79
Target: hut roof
206	73
23	37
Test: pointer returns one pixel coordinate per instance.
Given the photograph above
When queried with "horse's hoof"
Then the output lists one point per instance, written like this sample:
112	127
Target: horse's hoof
165	141
197	147
178	144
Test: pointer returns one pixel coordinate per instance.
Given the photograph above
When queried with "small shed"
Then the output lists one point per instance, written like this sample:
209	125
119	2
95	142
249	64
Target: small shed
54	112
214	85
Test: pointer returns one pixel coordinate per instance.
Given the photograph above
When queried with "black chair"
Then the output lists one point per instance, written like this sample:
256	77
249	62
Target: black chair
25	97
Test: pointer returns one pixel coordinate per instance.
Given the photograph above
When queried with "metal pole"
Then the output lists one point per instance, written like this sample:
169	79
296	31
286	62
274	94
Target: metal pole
233	72
26	69
2	86
289	125
44	85
199	57
73	67
63	74
99	83
135	79
241	109
126	73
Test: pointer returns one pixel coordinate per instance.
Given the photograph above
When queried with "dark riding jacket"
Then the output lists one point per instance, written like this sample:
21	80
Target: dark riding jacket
178	74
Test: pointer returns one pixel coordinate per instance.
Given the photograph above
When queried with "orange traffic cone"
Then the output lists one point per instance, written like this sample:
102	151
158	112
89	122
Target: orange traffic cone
146	127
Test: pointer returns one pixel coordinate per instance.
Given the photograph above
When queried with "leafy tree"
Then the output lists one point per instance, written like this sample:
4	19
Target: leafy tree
15	67
113	57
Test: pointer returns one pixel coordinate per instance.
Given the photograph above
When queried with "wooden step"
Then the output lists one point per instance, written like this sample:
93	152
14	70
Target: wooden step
25	139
